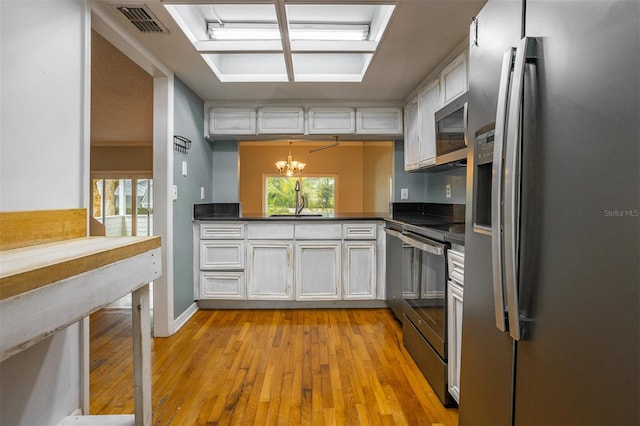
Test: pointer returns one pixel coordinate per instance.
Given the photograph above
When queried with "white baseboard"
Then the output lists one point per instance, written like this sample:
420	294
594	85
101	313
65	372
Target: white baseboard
184	317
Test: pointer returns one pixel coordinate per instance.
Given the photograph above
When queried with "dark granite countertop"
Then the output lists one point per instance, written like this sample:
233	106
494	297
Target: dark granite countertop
441	221
303	216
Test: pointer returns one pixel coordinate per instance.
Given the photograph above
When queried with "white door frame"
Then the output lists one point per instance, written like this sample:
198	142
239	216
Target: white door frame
163	105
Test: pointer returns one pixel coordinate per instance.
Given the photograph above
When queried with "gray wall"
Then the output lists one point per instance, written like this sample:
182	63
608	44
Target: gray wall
428	187
226	172
413	181
189	122
436	183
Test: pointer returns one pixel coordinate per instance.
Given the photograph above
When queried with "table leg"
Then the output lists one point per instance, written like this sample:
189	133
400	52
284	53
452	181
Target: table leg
141	318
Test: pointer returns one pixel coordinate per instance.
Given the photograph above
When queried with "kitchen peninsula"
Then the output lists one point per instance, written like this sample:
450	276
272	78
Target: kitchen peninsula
261	261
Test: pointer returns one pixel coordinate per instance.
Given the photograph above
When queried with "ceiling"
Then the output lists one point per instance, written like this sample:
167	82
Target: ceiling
420	35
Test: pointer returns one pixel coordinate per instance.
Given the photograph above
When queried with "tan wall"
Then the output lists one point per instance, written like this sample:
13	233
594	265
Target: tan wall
356	166
122	158
378	166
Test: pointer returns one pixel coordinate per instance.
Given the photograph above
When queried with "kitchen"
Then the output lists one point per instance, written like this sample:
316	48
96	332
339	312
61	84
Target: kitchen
622	231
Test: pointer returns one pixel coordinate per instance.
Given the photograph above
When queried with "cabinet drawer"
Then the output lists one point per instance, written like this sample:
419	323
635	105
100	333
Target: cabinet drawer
222	231
359	231
222	285
455	260
329	231
221	255
270	231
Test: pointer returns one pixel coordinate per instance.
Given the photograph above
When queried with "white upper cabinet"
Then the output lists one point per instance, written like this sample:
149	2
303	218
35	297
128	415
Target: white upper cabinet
232	121
427	107
275	120
328	121
379	121
453	79
411	136
419	114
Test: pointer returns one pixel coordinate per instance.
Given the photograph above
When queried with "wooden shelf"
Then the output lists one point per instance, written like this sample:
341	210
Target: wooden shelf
47	287
28	268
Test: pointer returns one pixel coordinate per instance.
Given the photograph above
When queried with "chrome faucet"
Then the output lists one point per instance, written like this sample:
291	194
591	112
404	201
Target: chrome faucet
299	199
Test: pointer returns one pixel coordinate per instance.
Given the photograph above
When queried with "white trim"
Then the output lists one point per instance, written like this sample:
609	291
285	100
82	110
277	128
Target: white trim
108	27
185	316
84	355
163	99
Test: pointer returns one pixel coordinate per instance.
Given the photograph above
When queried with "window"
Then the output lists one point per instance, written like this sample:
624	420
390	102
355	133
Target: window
112	205
280	194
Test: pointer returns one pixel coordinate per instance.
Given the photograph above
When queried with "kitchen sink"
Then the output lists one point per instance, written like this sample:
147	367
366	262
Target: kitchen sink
295	215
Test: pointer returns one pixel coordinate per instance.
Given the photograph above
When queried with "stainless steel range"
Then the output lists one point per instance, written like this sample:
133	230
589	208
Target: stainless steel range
425	308
417	290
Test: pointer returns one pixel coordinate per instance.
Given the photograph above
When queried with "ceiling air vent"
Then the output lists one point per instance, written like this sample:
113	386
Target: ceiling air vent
143	19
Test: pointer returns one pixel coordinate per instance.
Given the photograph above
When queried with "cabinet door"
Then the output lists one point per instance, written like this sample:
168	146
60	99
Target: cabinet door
454	309
427	107
379	121
270	270
453	79
411	137
222	285
359	269
332	121
232	121
317	270
221	255
281	120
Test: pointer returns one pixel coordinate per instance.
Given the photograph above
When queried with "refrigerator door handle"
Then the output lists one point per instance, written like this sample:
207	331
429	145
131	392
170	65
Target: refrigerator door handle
512	185
496	190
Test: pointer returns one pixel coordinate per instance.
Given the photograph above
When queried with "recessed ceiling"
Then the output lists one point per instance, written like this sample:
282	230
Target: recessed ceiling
419	36
284	41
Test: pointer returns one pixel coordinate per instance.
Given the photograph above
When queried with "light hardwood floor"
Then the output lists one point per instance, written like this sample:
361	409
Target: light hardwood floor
269	367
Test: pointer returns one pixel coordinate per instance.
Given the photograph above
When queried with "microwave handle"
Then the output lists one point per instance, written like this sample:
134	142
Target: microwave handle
465	121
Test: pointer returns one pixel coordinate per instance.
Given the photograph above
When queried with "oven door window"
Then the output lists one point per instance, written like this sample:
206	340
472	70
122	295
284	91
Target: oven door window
427	291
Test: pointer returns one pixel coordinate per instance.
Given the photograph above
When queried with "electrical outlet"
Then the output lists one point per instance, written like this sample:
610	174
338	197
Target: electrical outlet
184	168
448	191
404	193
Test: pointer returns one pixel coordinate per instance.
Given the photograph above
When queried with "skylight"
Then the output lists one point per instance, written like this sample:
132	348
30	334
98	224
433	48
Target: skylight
284	42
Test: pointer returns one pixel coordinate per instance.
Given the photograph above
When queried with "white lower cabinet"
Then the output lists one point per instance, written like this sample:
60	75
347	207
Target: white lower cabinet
270	270
359	272
317	270
222	285
455	337
287	261
221	255
455	259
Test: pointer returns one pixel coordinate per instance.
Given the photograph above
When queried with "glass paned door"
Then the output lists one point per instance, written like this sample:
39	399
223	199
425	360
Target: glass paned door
144	207
113	205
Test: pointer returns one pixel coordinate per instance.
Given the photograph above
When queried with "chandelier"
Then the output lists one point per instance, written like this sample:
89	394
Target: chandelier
289	167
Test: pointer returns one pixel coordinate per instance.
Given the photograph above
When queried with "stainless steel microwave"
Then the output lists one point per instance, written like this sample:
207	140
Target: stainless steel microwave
451	131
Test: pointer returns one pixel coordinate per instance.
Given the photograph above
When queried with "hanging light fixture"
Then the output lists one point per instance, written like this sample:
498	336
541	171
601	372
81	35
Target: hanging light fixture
290	167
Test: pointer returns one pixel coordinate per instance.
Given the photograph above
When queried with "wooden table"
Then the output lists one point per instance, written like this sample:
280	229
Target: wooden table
47	287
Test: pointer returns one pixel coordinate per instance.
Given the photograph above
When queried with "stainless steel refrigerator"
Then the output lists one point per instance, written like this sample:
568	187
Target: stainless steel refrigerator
551	316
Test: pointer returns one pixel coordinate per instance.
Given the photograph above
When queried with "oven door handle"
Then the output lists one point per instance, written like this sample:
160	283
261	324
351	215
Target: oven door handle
424	244
393	233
